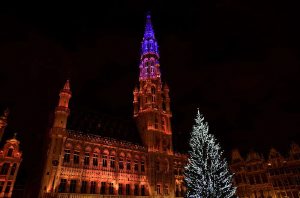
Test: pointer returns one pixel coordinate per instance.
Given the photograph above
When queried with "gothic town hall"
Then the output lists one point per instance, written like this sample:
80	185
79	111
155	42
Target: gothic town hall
81	164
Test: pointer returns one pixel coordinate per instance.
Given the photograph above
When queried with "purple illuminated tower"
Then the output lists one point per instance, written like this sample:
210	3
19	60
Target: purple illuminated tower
149	65
153	116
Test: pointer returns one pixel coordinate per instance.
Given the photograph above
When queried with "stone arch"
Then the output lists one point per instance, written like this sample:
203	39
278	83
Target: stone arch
122	154
105	152
88	149
69	145
78	147
112	153
96	150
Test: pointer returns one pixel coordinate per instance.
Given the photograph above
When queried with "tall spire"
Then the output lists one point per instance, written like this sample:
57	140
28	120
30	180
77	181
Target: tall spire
149	43
149	64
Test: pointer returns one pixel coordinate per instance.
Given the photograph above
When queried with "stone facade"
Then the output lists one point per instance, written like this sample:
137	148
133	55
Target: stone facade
10	160
276	177
84	165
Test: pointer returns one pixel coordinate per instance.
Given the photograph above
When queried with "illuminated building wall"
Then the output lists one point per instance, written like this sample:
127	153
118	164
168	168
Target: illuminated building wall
10	160
276	177
85	165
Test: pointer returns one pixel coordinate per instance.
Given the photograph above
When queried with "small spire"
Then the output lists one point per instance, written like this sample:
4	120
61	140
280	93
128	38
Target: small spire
5	114
149	32
67	85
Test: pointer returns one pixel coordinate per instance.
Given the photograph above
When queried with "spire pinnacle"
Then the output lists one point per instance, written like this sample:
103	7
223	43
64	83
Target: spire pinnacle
149	43
67	85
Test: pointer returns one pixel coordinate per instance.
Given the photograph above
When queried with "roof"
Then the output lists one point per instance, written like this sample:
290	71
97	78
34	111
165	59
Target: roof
104	125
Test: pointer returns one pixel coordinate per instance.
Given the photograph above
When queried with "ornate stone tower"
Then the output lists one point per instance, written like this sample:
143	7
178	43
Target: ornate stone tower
57	137
152	113
10	160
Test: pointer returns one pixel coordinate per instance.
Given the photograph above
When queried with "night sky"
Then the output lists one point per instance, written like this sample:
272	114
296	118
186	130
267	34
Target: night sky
238	61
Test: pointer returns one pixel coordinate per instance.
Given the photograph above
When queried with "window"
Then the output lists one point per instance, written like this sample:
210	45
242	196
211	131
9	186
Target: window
13	169
127	189
8	185
143	190
73	186
95	159
153	98
5	168
136	165
67	156
143	166
1	186
111	188
120	190
62	185
76	157
157	165
83	187
166	190
112	161
158	189
136	189
10	152
156	123
153	90
128	167
93	187
104	160
121	164
102	191
163	124
86	161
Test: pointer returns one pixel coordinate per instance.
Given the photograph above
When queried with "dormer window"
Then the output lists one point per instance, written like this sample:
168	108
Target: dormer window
10	152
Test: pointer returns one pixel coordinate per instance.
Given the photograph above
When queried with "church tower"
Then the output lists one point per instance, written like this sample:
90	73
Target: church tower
57	137
152	114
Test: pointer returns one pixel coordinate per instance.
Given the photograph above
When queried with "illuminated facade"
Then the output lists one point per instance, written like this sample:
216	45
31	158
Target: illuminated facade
85	165
10	160
276	177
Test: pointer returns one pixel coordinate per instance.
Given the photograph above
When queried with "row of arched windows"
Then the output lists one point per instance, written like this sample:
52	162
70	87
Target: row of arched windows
104	160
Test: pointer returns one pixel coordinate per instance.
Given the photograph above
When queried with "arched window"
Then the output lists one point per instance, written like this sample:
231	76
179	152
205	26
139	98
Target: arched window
157	166
156	123
86	161
76	157
5	168
153	90
163	124
10	152
128	164
95	159
13	169
67	155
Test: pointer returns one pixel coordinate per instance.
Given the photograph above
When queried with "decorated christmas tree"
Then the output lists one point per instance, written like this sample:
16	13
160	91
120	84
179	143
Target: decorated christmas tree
206	173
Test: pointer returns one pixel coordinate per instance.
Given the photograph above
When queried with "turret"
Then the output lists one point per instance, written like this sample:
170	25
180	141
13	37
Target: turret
295	151
236	156
62	110
3	123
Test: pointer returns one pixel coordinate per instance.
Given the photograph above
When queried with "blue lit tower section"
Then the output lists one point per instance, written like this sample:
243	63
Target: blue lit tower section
149	64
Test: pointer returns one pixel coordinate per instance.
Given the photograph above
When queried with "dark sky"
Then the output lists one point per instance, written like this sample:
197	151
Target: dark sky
238	61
